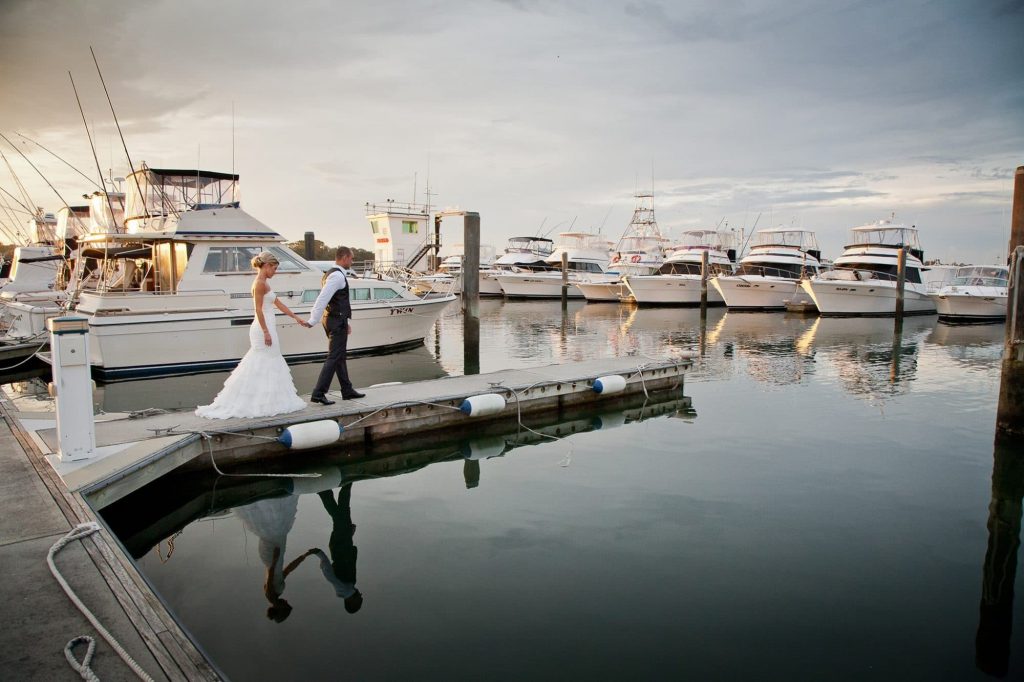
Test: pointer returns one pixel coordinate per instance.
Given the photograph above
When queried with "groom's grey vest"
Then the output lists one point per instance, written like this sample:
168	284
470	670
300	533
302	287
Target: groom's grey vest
338	306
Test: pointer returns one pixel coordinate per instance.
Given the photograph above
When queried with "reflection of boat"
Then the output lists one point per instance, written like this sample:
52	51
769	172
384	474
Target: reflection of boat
863	281
174	295
768	344
976	294
770	274
678	280
869	358
586	254
971	344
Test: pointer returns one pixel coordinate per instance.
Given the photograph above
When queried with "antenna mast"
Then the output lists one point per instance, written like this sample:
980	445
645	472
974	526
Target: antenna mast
131	166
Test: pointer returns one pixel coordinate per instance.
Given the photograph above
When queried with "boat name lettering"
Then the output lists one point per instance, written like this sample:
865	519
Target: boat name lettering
400	311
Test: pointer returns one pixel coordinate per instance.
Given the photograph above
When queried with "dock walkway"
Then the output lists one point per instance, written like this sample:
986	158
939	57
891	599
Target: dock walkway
39	619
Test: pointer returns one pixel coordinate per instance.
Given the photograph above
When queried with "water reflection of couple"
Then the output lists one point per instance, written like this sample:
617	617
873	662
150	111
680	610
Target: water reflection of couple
272	519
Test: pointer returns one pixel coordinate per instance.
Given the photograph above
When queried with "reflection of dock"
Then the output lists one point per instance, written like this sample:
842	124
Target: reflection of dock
136	451
170	503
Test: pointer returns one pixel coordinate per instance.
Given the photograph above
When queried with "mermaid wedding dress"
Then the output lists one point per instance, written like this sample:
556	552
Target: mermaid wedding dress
261	385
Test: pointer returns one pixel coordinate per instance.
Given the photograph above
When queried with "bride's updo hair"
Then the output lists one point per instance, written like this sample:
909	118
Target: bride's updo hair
262	258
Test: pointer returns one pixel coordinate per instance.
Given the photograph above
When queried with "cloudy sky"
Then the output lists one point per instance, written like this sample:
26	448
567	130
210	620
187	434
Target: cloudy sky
541	112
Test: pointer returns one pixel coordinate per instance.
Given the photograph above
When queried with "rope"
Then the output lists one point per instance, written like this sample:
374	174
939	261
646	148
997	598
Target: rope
77	533
206	438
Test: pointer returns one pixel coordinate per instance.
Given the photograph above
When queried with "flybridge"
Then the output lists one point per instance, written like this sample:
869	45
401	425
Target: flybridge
161	192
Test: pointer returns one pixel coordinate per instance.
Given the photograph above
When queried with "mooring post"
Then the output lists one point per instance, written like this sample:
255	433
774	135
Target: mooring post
471	293
309	247
901	283
704	283
72	387
1010	412
565	279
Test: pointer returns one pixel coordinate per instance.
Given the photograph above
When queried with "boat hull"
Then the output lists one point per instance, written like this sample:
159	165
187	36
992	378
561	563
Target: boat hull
682	290
604	291
135	346
968	306
489	285
870	298
755	292
536	286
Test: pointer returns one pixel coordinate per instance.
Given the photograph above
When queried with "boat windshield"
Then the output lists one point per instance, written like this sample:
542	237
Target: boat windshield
985	276
799	239
885	234
786	270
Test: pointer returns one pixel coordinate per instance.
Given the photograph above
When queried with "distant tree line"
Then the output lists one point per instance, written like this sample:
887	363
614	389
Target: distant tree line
322	251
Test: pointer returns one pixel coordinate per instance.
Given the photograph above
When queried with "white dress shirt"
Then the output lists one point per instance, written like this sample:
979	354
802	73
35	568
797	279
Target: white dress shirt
336	281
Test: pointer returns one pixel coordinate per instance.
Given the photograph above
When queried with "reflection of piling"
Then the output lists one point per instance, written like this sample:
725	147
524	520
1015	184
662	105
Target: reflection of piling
703	284
995	623
901	285
471	473
1010	413
897	351
470	345
565	279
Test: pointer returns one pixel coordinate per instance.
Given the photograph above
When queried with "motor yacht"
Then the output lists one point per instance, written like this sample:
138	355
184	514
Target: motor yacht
522	254
172	293
448	277
640	251
678	280
978	293
770	274
863	280
587	254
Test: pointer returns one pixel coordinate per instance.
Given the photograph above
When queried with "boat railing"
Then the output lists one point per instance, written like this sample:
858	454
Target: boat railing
859	273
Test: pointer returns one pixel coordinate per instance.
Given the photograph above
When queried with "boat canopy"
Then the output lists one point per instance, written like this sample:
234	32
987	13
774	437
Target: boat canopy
72	221
101	220
164	192
885	233
982	275
787	236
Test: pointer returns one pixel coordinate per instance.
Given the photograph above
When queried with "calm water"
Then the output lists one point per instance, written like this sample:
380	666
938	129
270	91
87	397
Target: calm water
820	513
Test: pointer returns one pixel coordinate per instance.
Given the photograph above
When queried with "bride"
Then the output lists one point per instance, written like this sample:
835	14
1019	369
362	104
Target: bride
261	385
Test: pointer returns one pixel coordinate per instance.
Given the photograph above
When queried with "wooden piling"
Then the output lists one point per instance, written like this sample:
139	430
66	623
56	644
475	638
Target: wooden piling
704	283
901	284
471	264
309	246
565	279
1010	411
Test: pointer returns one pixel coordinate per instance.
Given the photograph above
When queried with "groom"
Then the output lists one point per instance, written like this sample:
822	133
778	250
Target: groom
333	305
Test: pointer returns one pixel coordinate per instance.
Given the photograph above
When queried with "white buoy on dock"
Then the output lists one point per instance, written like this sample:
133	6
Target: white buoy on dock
613	383
72	387
311	434
480	405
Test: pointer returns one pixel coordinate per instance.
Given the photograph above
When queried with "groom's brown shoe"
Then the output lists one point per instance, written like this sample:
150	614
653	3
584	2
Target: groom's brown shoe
322	400
352	394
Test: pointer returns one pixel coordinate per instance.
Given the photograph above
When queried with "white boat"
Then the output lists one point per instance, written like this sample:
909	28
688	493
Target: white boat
522	254
770	274
639	251
977	293
678	280
448	277
587	254
863	281
174	293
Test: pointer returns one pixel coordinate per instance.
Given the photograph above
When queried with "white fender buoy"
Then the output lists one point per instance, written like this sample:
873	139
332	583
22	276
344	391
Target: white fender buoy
612	383
688	354
609	420
483	448
311	434
480	405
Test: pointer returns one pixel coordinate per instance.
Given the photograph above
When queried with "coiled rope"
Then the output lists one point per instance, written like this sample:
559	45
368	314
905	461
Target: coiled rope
79	532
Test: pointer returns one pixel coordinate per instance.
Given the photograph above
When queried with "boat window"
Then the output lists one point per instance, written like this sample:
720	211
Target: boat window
359	293
309	295
286	260
883	271
221	259
171	259
382	293
787	270
679	269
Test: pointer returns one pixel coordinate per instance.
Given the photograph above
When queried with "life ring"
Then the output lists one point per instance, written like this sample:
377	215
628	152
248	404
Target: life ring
635	258
615	258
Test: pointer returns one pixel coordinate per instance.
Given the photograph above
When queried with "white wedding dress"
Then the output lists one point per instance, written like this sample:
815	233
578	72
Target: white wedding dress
261	385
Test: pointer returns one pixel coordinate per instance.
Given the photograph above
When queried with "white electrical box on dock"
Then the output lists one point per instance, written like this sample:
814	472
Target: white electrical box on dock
72	386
